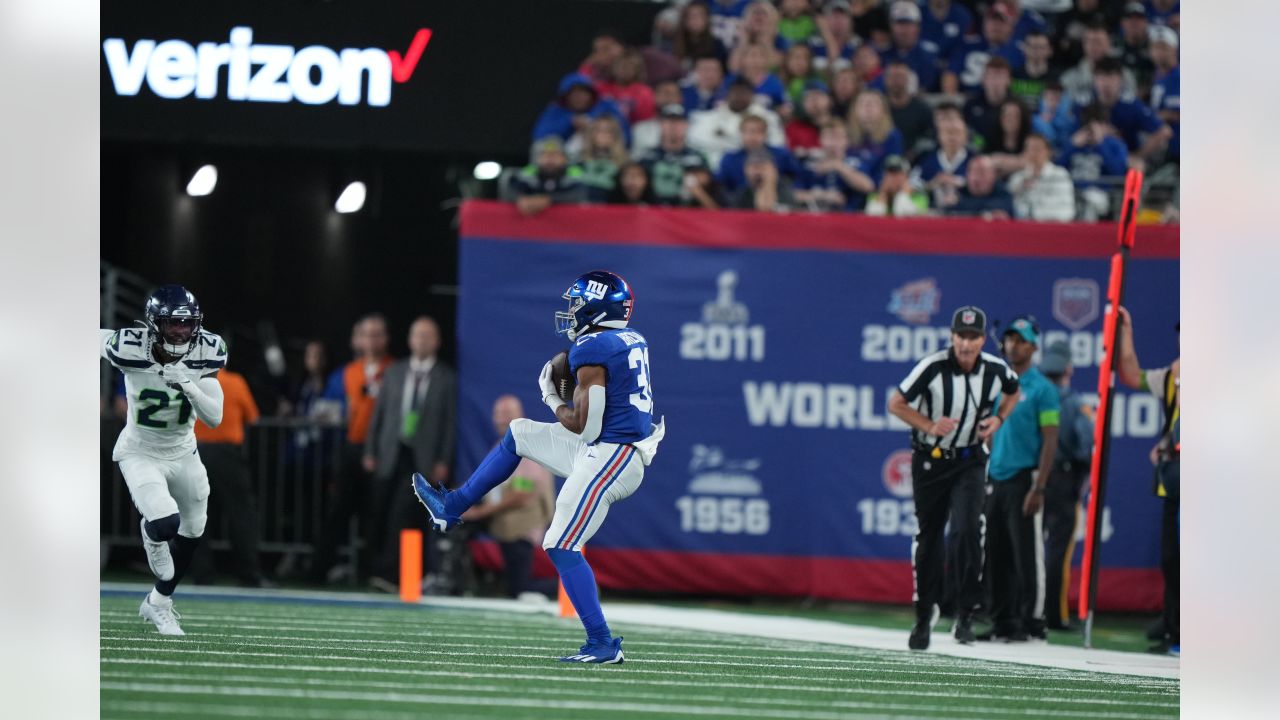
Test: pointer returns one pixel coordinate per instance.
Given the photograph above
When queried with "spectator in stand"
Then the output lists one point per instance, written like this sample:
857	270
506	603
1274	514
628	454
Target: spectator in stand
1025	20
1005	149
845	86
646	134
982	112
715	132
603	153
965	66
911	115
315	397
577	102
627	88
796	24
634	186
705	86
768	89
797	72
759	27
1144	134
1036	72
866	63
872	135
725	17
895	198
362	382
1078	81
1165	91
1041	190
920	56
834	45
668	163
517	512
832	179
1135	47
981	196
549	180
871	22
765	189
694	40
1095	153
1055	118
413	429
1068	37
815	110
1164	12
945	24
703	190
941	173
233	497
754	131
606	48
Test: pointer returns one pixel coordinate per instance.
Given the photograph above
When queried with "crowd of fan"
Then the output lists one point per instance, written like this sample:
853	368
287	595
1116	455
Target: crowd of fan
987	109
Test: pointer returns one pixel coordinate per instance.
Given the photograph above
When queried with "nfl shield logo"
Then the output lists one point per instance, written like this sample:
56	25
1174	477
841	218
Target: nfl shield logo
897	473
1076	302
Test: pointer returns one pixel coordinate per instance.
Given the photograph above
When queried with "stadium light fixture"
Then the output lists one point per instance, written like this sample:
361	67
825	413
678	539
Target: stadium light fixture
203	182
351	199
487	170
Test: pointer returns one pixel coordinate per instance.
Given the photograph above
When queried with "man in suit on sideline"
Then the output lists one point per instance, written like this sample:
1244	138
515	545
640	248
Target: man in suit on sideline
413	427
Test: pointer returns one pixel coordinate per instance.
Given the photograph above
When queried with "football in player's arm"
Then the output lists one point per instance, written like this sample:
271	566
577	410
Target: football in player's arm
170	366
593	444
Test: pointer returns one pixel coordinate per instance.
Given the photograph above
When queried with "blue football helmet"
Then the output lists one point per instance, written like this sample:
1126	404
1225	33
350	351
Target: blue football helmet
599	298
173	319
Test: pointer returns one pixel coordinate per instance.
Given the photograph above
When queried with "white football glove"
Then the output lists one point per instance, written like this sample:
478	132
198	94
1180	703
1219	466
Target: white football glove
175	378
549	395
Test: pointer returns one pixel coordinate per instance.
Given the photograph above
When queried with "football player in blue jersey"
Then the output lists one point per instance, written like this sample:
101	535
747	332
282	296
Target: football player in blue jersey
594	445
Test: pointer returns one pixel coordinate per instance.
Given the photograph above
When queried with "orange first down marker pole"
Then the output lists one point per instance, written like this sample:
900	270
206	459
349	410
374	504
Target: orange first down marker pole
410	565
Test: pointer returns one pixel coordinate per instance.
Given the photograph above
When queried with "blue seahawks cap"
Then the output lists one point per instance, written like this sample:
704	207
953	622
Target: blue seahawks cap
1026	328
816	84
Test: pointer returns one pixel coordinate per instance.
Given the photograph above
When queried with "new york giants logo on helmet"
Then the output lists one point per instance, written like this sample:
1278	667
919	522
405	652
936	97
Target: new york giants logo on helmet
599	298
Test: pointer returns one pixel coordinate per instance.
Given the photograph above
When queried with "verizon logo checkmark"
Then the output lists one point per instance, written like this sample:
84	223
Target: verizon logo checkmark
402	67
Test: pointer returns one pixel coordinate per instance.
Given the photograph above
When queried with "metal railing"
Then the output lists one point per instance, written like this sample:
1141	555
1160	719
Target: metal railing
292	463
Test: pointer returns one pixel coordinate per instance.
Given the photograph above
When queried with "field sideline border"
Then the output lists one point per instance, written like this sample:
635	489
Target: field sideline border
718	621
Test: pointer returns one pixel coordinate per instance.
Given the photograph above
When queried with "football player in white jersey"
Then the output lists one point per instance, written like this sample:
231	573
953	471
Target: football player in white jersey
170	371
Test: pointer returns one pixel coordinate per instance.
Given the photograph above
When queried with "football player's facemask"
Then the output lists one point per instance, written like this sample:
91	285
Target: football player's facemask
173	319
598	298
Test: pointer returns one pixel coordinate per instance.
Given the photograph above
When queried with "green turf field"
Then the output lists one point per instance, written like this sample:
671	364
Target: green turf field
293	660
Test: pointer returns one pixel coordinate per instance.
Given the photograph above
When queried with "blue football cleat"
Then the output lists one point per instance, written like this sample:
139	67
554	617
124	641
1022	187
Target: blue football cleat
433	500
601	653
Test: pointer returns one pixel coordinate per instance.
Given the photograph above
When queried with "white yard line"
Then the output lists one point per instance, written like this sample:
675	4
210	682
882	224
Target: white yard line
602	706
764	626
419	684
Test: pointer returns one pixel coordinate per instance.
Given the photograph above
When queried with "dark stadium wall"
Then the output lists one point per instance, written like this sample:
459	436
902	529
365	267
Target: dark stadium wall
267	246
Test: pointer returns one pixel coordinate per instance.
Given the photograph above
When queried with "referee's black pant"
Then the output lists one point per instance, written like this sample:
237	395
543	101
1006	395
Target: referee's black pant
1015	558
947	490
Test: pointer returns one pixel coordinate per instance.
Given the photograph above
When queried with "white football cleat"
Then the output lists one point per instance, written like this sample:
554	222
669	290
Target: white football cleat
164	617
158	556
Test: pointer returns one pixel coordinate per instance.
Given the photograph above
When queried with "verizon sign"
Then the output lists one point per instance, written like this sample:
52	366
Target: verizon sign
313	75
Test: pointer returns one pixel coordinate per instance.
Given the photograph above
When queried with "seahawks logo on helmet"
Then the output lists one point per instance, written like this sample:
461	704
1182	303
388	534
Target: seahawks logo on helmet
173	319
597	299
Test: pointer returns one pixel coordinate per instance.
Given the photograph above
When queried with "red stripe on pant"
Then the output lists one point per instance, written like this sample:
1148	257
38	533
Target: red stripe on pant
589	508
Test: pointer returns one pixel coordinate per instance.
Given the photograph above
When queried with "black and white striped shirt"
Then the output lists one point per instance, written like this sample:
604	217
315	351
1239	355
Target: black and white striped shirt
938	388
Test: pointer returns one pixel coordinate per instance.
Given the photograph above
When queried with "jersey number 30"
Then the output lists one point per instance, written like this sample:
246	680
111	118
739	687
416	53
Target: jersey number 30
638	360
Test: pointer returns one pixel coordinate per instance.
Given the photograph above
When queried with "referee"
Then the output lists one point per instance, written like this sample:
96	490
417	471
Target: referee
948	400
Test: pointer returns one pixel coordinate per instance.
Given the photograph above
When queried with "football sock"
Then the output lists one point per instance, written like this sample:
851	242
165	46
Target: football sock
580	585
183	549
494	470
